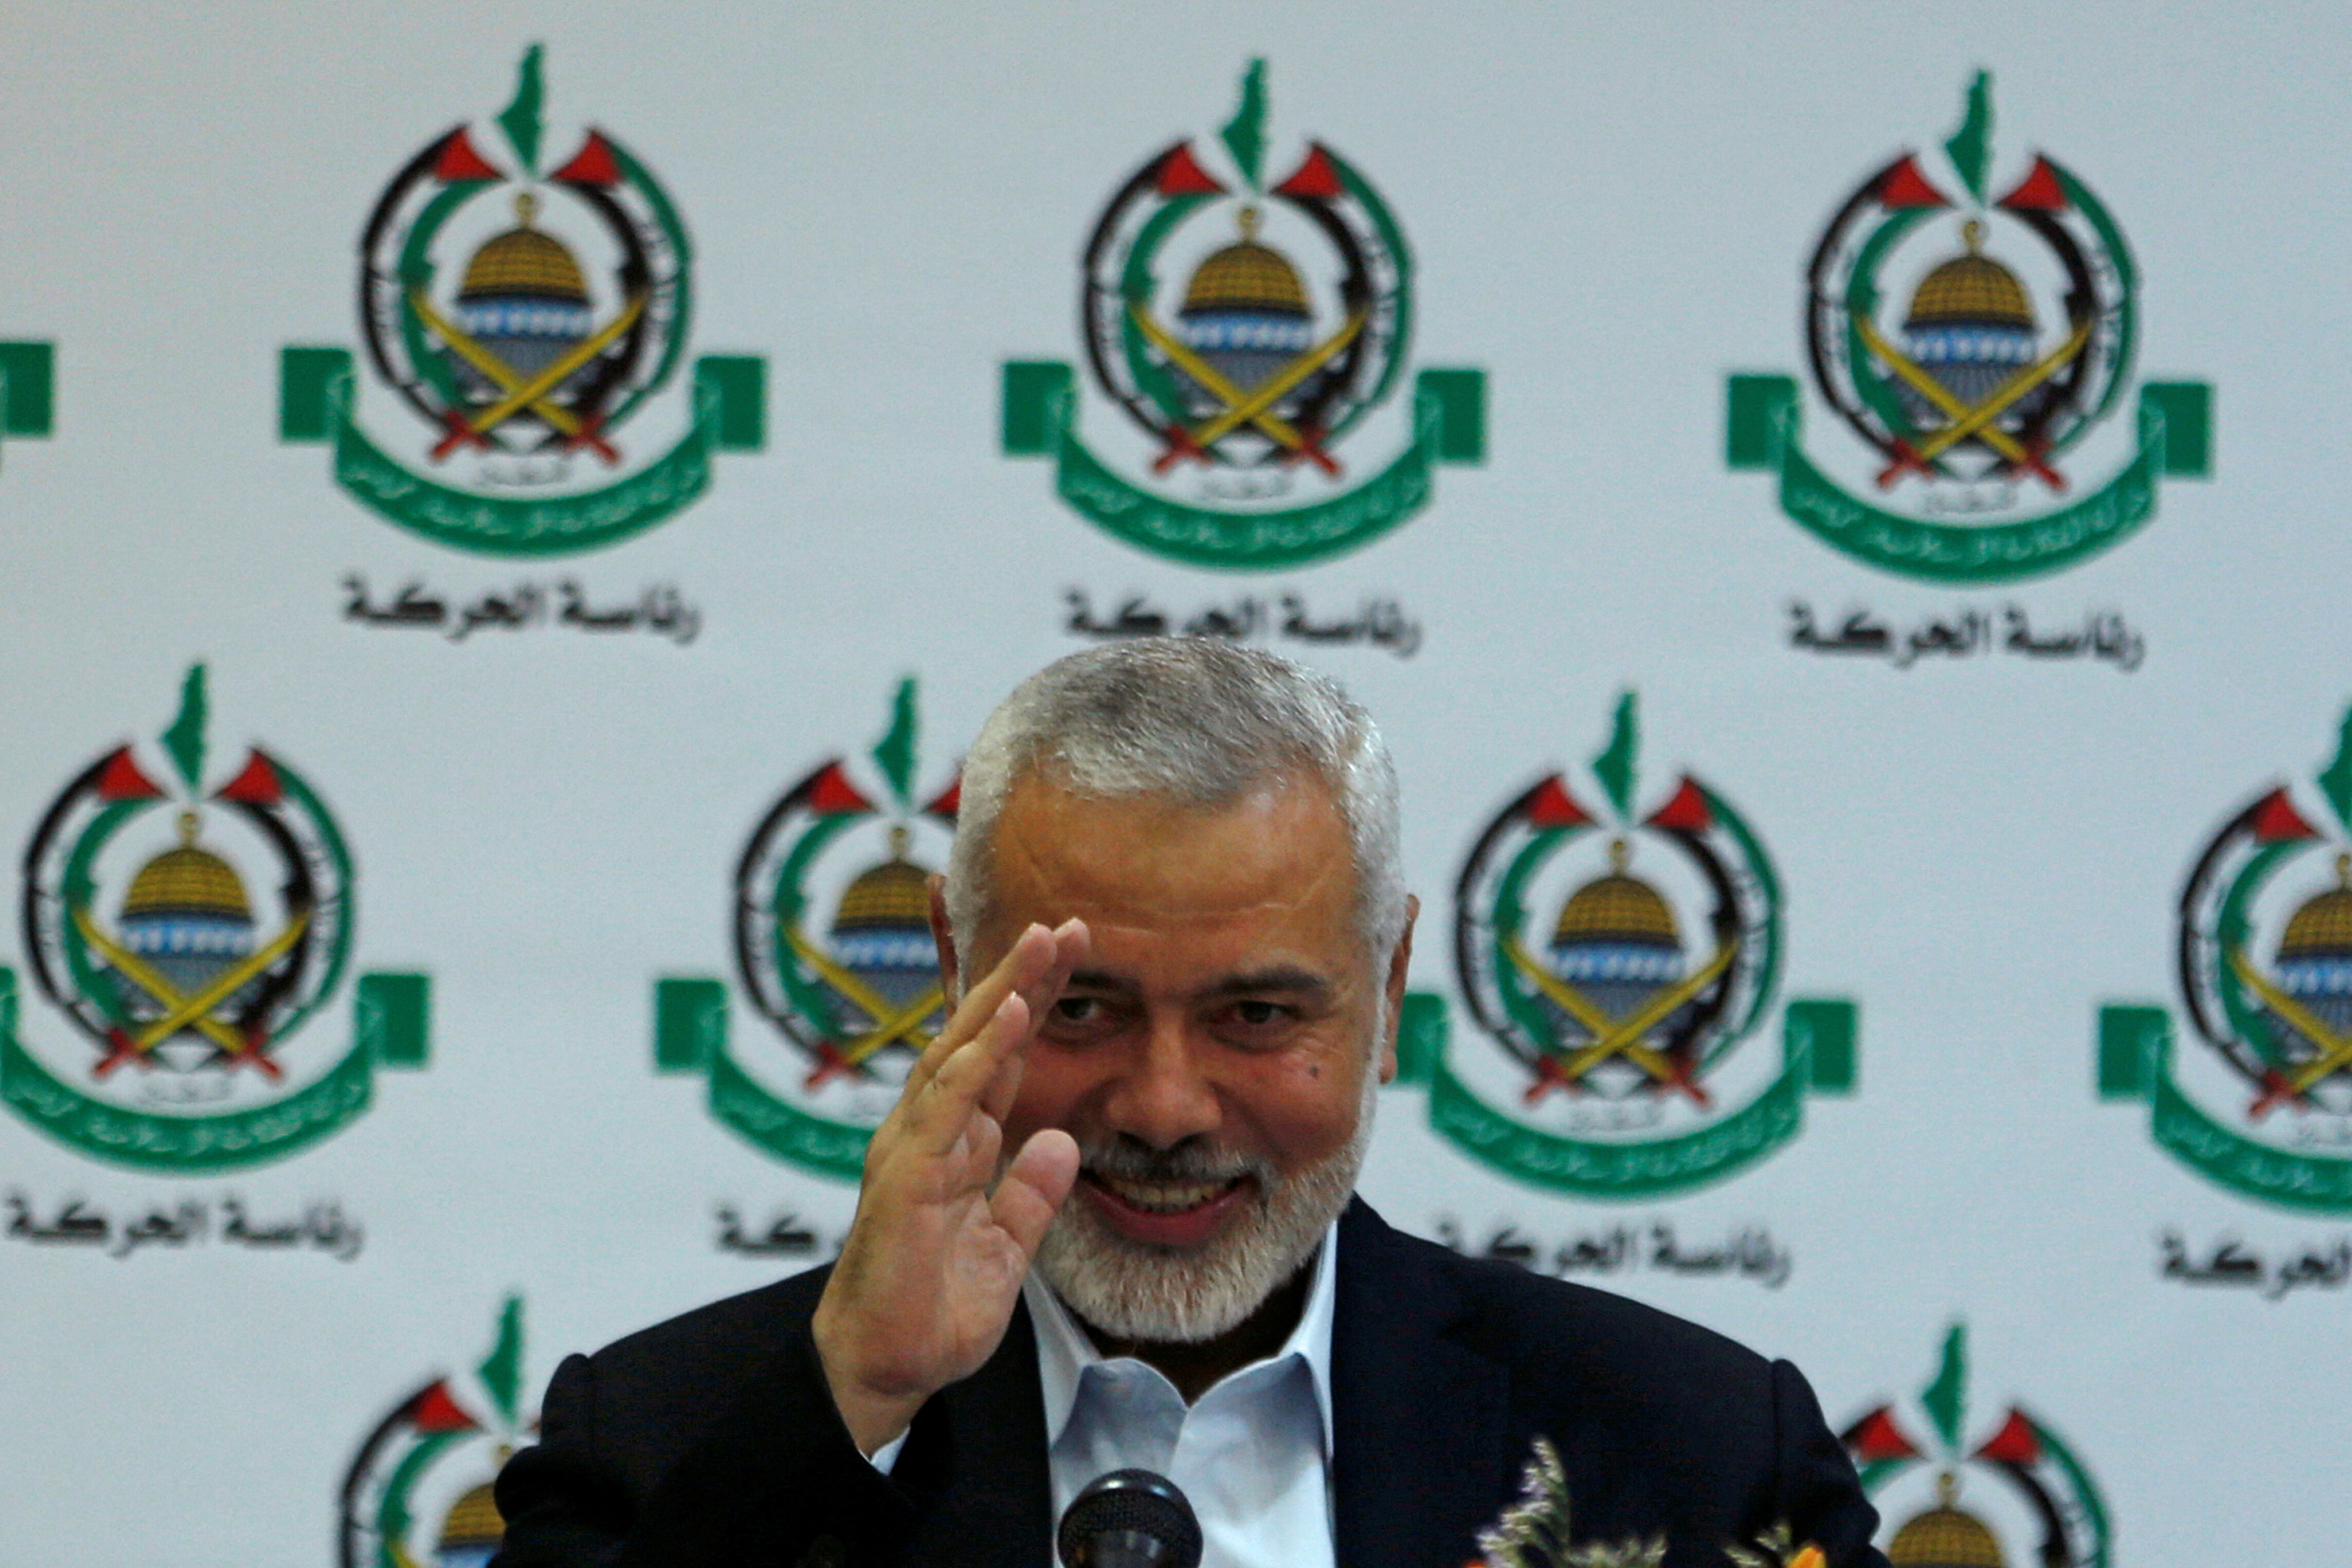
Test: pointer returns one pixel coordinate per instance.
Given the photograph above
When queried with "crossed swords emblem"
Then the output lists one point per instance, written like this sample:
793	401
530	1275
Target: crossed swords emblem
886	1021
522	393
1254	407
1965	422
1612	1038
2295	1083
191	1009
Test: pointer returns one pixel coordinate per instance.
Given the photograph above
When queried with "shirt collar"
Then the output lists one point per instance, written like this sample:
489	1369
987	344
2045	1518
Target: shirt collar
1064	1351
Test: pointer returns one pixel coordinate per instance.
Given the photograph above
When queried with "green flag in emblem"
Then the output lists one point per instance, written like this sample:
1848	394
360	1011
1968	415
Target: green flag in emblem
894	753
185	739
1244	134
502	1373
1947	1398
1971	144
521	121
2337	780
1614	767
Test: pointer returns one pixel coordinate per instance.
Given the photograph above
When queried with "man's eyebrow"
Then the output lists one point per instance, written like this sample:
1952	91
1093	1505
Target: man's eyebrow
1100	980
1282	977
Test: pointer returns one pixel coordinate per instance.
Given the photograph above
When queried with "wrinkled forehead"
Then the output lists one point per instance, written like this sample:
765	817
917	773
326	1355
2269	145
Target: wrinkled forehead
1276	857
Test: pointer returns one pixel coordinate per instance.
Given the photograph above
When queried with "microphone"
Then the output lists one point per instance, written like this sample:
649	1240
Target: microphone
1129	1518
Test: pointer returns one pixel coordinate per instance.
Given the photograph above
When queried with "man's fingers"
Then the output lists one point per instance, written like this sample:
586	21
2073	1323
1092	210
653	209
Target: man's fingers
1065	948
1071	944
1071	941
979	1049
1003	1086
942	1107
987	1141
1034	1187
1031	957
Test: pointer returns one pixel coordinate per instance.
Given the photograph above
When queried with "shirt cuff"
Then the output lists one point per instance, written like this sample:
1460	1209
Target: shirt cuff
887	1455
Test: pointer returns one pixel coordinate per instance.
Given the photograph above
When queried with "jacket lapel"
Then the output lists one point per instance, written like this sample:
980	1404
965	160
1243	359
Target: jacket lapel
977	1455
1420	1423
1420	1419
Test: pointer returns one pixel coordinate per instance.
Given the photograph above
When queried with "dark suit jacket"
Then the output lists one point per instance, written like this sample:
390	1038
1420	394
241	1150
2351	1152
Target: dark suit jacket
712	1440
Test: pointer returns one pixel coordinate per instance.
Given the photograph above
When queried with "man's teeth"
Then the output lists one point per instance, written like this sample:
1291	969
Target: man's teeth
1165	1197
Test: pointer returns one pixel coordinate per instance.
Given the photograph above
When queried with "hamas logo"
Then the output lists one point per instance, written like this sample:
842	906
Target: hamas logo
832	947
1246	332
523	318
2264	955
418	1494
1973	345
188	936
1619	960
2033	1487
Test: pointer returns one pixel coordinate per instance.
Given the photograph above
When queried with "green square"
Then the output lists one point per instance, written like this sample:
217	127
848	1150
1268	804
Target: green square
1461	397
1829	1027
391	1015
303	377
28	372
742	383
689	1023
2126	1033
1030	387
1753	404
2187	407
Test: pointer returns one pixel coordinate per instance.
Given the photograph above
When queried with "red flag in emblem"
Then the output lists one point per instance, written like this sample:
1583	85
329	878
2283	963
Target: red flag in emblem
1317	179
256	786
459	162
1181	175
593	164
832	793
2040	192
1686	811
1904	186
122	780
1549	805
1876	1437
2016	1443
2276	819
435	1412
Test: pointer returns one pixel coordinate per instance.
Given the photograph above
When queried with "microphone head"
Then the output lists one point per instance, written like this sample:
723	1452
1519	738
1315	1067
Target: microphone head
1129	1518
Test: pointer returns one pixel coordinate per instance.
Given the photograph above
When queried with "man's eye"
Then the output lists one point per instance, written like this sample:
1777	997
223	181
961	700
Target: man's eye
1078	1010
1257	1014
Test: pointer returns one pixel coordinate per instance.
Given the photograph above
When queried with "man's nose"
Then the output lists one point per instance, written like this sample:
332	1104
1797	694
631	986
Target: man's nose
1163	1097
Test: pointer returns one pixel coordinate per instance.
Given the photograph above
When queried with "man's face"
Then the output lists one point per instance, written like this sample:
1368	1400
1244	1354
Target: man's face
1214	1057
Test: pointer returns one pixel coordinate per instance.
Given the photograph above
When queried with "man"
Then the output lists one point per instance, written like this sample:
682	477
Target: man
1111	1221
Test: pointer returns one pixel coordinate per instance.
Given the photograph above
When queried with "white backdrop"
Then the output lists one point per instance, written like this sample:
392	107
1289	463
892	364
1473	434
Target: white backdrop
1609	210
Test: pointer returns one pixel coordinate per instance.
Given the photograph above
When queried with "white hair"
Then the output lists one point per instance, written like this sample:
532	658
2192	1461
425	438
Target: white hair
1195	720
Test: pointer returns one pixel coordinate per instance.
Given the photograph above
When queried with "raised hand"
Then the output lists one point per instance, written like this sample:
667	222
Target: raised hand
927	1280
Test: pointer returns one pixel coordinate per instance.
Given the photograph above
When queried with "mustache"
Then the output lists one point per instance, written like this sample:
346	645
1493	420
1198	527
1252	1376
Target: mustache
1128	1159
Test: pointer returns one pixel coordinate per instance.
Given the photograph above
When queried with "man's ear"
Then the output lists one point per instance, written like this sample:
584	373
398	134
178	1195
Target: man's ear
943	937
1399	961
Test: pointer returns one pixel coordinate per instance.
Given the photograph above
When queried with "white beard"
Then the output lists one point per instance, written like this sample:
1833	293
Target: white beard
1164	1295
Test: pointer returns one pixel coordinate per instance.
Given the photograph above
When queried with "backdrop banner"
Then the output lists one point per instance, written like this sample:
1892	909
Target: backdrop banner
514	517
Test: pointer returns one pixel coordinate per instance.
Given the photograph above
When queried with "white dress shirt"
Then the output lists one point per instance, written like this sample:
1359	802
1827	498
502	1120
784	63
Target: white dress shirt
1253	1454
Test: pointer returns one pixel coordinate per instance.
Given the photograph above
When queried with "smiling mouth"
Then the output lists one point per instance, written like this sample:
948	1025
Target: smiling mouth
1179	1215
1165	1197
